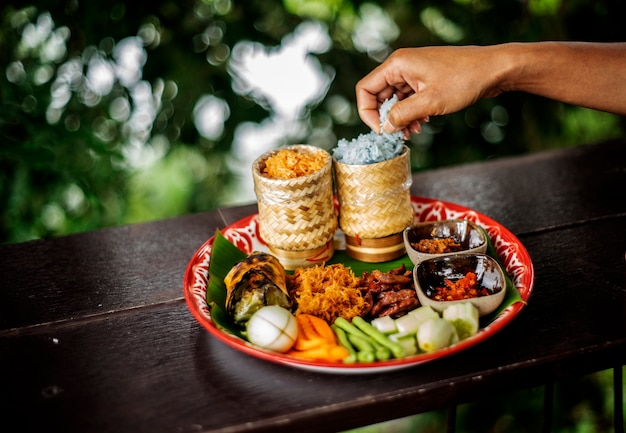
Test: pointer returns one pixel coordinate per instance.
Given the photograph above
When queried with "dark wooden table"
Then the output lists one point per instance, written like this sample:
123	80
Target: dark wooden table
95	335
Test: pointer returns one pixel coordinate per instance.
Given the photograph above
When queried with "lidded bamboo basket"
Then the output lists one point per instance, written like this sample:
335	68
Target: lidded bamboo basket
375	207
297	217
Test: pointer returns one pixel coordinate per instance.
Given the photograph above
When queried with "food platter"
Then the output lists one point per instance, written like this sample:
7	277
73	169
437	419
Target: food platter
245	235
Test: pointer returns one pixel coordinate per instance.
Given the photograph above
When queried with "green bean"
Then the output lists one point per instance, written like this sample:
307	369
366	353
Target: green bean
381	352
349	327
379	337
343	341
365	350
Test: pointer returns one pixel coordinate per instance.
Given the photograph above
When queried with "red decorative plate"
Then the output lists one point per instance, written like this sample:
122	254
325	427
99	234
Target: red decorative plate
245	235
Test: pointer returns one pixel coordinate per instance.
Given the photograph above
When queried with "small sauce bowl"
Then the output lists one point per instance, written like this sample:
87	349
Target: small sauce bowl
465	234
431	275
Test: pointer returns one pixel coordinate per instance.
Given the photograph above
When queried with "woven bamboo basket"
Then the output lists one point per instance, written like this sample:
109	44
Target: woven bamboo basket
375	207
297	217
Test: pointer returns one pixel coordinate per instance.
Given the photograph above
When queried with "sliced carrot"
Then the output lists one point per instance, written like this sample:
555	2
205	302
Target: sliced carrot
323	329
308	344
308	337
306	327
325	352
338	353
316	340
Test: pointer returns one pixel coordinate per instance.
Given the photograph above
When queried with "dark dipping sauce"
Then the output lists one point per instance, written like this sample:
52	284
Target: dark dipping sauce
432	274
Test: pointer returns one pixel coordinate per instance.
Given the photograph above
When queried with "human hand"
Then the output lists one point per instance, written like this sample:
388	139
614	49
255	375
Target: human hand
429	81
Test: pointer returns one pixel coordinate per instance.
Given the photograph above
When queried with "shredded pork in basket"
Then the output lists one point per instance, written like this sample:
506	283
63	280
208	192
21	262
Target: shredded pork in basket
288	163
327	292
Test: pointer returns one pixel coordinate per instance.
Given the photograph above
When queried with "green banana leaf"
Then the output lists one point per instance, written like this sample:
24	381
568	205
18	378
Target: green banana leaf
224	255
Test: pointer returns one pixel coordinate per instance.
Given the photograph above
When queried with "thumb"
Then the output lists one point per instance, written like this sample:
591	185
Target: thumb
405	112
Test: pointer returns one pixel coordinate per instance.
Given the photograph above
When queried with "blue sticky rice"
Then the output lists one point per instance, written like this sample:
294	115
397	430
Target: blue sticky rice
371	147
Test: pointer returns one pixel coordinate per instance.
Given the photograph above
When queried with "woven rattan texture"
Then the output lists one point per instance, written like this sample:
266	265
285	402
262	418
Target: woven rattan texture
296	214
374	199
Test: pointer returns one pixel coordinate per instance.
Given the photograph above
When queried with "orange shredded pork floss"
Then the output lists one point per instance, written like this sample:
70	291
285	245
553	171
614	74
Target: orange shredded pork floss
327	292
289	163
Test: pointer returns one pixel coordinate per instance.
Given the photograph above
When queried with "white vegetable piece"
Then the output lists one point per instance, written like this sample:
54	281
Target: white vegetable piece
407	324
423	313
436	333
272	328
385	324
407	341
411	321
464	317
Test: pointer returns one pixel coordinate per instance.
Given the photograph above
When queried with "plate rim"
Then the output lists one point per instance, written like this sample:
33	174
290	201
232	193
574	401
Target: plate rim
504	318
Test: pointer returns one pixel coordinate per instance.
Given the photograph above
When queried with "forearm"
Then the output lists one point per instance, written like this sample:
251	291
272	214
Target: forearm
592	75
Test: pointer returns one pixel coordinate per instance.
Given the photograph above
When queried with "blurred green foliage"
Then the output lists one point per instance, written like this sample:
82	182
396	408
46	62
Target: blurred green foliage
81	150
